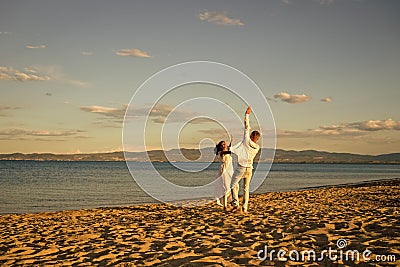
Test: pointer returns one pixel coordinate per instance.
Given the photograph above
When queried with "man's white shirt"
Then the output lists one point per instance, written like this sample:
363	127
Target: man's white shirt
247	149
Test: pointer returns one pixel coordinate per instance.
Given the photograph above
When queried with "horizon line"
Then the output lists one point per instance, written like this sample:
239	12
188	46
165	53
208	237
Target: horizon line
166	150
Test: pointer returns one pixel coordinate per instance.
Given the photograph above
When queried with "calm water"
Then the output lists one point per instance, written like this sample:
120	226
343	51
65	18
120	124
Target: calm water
29	186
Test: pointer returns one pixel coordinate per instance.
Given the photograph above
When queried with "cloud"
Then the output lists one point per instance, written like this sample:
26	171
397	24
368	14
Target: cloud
87	53
321	2
319	132
40	73
376	125
35	46
327	99
106	111
201	120
134	52
79	83
108	123
271	99
344	129
109	117
217	132
56	74
220	18
158	114
325	2
31	70
6	108
18	132
22	77
39	135
8	73
292	99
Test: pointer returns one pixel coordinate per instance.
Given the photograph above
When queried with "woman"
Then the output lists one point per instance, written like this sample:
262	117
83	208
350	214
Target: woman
223	190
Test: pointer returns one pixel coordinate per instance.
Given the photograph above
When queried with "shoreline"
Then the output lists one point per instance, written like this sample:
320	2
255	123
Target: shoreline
365	215
356	184
190	202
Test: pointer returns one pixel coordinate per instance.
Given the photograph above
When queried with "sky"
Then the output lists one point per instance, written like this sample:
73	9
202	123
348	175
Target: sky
330	70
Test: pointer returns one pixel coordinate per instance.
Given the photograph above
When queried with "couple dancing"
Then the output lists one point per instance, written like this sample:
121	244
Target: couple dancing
245	151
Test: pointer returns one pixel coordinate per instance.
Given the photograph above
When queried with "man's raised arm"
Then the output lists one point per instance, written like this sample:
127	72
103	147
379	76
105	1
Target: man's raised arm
246	135
246	119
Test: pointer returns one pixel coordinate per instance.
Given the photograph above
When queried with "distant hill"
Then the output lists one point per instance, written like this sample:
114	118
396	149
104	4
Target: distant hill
281	156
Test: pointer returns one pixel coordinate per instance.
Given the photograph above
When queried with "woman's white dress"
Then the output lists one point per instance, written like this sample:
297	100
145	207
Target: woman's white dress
223	187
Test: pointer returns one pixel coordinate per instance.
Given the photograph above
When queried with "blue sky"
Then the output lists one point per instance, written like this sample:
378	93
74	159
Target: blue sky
68	68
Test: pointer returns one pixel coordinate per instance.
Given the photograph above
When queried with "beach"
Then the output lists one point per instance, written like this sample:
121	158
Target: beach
363	217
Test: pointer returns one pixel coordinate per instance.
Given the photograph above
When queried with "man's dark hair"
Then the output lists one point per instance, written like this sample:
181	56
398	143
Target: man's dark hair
255	134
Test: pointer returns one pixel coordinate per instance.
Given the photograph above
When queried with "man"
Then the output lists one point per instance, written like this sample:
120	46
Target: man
246	151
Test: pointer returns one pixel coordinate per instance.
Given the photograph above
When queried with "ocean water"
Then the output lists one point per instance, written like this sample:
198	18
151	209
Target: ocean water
36	186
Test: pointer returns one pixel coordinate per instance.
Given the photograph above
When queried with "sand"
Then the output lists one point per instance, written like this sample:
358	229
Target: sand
366	216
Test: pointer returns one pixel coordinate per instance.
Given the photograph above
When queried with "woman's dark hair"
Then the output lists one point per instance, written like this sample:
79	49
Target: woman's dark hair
218	147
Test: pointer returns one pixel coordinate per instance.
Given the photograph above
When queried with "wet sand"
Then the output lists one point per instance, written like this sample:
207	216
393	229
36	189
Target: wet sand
366	216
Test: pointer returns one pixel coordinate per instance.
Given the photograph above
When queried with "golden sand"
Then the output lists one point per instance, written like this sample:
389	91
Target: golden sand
366	216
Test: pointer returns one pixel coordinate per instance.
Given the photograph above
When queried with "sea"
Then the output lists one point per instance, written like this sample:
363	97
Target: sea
43	186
